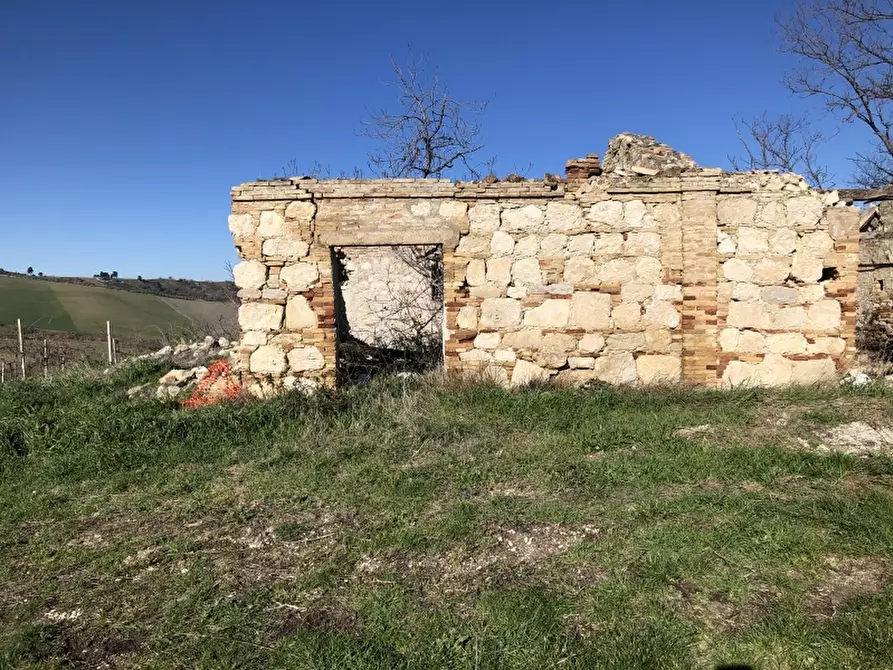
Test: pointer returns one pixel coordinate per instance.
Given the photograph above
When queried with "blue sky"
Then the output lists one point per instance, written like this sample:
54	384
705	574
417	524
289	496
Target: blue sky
124	124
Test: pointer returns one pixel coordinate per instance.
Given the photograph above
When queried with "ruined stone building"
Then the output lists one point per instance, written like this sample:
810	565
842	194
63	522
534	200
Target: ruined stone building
643	269
875	292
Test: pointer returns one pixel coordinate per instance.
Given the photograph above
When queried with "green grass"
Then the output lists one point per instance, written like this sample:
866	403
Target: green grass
85	309
417	525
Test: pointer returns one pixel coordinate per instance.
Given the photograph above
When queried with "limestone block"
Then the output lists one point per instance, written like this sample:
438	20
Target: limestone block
501	244
625	342
738	374
661	314
748	315
657	369
487	291
526	272
285	248
752	241
287	341
473	245
745	292
724	243
833	346
554	350
806	267
737	270
607	243
736	211
648	270
616	271
780	295
581	362
616	368
751	342
728	339
499	270
483	219
452	209
579	271
771	270
627	316
816	244
591	343
590	311
789	318
299	276
774	370
660	340
813	372
639	244
564	217
771	214
504	355
842	223
499	313
667	213
476	355
241	225
487	340
298	314
247	294
812	293
608	212
420	208
527	219
724	292
526	372
635	214
476	272
274	294
467	319
260	316
271	225
250	274
824	316
636	292
253	338
551	314
530	339
582	244
667	292
268	359
786	343
553	245
517	292
804	212
305	359
527	246
783	242
300	210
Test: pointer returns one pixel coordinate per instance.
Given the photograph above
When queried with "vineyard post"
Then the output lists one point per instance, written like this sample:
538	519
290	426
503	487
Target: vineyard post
108	335
46	358
21	347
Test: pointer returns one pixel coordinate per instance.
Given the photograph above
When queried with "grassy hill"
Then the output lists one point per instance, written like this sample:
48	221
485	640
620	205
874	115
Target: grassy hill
85	309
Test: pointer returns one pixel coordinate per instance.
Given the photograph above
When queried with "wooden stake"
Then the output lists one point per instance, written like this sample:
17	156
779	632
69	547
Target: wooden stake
46	358
21	347
108	336
115	350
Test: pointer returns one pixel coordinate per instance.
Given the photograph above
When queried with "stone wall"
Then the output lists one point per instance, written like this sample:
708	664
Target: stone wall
690	275
875	292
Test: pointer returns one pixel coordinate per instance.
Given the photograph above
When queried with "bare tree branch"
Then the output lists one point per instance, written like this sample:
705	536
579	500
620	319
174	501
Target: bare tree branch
846	51
430	133
784	143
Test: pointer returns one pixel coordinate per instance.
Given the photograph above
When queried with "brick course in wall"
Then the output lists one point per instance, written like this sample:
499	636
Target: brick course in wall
693	276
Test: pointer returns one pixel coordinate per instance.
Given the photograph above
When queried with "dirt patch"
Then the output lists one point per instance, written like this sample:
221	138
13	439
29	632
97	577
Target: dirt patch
857	438
846	578
715	610
694	431
506	551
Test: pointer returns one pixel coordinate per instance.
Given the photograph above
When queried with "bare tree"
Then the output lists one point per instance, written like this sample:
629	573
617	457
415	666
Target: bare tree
429	133
846	53
784	143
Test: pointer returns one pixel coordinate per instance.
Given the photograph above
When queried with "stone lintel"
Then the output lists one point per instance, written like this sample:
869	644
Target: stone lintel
445	235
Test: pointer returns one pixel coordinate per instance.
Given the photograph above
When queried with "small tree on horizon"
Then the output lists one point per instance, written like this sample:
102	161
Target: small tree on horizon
30	270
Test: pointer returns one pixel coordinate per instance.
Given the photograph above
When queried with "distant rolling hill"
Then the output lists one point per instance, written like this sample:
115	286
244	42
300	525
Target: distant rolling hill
77	308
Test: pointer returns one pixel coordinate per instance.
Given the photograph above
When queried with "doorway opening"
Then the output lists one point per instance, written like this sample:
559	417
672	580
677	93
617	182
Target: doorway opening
389	310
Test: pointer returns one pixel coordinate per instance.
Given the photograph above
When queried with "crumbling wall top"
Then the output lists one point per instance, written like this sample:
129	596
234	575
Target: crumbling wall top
640	154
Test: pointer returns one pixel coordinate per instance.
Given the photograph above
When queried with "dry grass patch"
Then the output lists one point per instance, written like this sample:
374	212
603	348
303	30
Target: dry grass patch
846	578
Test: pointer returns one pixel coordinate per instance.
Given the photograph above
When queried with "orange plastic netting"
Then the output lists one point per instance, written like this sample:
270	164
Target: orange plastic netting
217	386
